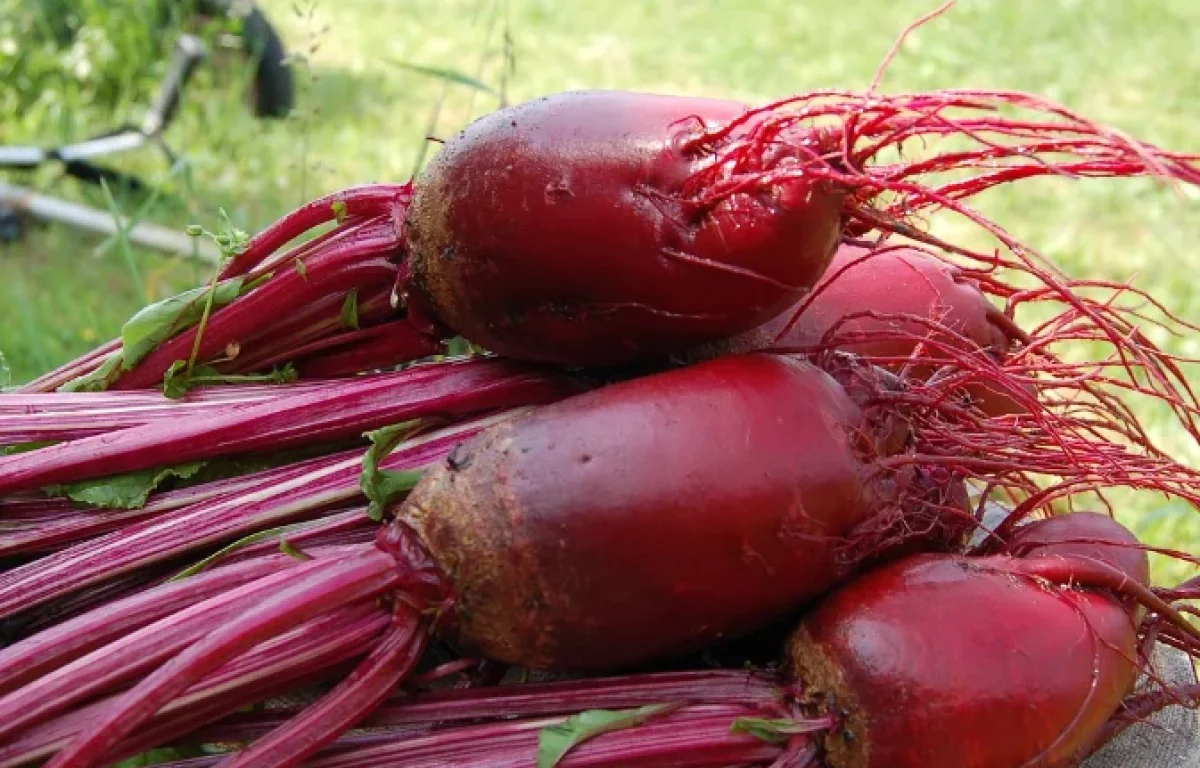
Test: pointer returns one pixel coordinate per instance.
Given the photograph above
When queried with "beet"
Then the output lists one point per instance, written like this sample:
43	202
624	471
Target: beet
951	662
1033	668
901	308
646	519
640	521
608	261
1082	534
609	227
606	228
650	517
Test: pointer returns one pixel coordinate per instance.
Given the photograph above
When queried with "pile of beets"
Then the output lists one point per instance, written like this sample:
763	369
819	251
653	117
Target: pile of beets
636	430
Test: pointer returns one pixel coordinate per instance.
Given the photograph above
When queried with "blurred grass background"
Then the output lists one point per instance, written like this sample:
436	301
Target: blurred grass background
363	113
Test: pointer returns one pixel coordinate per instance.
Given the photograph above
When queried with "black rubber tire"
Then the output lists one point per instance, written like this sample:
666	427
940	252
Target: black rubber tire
274	93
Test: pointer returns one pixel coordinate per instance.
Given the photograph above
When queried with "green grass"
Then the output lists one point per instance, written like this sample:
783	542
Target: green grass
363	118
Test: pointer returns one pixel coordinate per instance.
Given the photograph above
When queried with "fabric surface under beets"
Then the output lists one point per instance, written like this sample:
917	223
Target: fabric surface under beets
1170	739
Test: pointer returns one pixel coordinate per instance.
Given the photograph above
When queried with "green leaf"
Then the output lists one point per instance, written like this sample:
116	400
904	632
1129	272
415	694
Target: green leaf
242	543
10	450
230	239
175	384
223	469
460	347
161	755
158	322
774	731
443	73
292	551
350	310
98	380
256	282
131	490
555	741
125	491
5	372
178	381
381	486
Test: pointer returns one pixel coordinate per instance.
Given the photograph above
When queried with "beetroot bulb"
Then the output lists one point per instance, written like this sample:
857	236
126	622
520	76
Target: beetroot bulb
649	223
922	312
603	228
641	520
898	306
528	542
1046	645
1021	658
929	318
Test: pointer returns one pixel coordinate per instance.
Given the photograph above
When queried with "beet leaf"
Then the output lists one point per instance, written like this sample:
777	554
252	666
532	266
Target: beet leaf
125	491
382	486
555	741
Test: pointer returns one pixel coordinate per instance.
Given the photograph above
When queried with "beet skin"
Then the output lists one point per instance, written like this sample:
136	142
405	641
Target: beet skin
560	230
651	517
880	304
942	661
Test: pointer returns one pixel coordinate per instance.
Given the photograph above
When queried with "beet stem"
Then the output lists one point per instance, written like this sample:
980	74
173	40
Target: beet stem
338	411
690	736
328	585
533	700
282	496
303	656
37	655
133	653
390	662
372	199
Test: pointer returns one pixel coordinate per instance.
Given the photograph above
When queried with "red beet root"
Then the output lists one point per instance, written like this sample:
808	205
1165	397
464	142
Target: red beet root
717	497
650	518
1039	657
939	661
867	297
621	265
640	520
648	224
1082	535
865	292
898	306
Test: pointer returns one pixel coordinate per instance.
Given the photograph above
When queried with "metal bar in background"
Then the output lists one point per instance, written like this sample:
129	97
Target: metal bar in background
105	145
151	236
21	157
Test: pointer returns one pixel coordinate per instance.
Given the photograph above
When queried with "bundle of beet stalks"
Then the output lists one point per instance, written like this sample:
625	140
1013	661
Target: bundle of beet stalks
678	399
